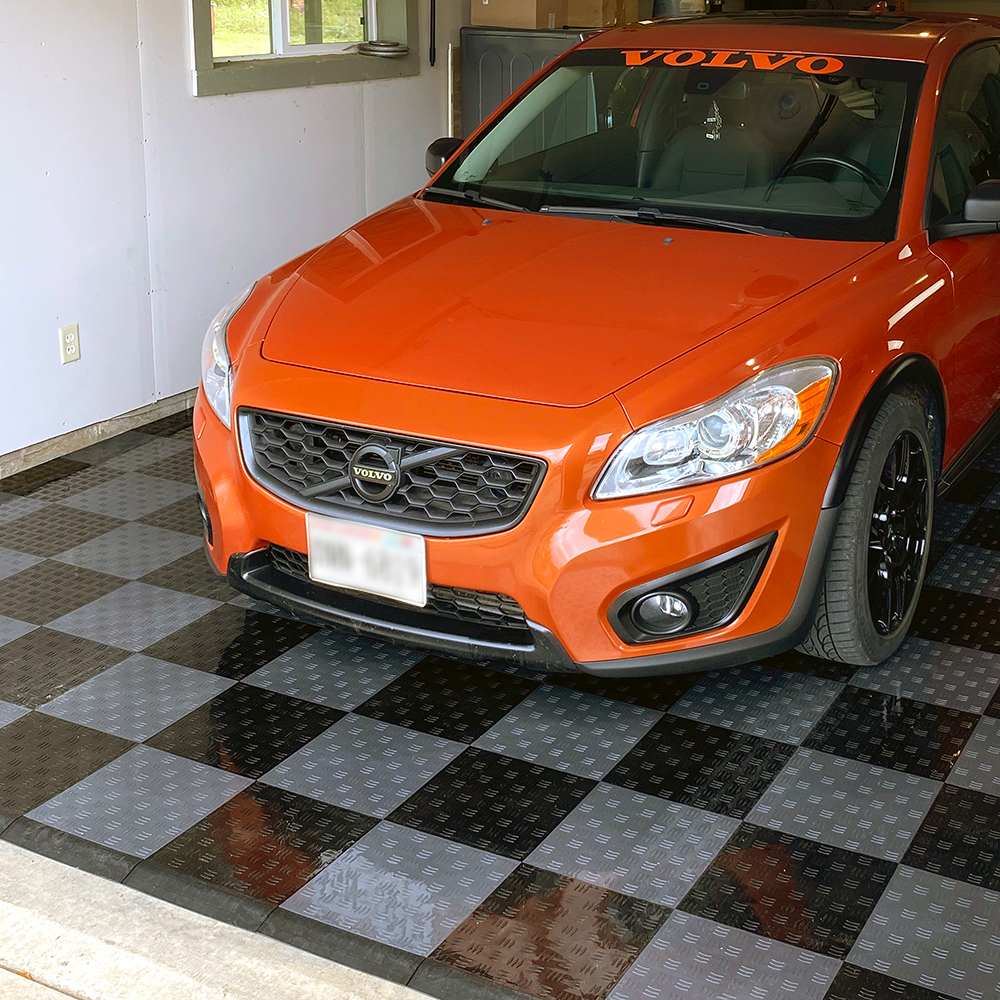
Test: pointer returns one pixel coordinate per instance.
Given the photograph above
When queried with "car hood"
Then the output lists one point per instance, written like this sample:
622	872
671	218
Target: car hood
528	307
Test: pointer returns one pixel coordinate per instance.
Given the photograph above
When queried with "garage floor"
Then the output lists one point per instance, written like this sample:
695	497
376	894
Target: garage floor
790	829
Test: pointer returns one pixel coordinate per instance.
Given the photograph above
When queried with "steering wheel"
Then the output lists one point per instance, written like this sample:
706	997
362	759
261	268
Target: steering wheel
867	175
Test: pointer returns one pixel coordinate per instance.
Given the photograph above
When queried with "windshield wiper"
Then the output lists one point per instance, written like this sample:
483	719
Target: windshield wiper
476	198
648	213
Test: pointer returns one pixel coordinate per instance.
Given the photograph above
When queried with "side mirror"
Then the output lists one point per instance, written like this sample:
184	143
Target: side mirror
439	152
983	203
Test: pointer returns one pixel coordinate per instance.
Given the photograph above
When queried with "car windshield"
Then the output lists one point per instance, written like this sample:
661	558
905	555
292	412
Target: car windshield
812	146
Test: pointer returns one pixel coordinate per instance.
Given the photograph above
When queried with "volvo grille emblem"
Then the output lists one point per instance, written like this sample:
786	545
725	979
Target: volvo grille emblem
374	473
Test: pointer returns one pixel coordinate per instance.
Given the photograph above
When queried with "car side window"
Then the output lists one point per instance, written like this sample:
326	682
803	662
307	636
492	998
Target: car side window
967	134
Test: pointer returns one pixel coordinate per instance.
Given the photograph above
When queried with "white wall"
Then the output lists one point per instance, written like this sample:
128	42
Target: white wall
137	209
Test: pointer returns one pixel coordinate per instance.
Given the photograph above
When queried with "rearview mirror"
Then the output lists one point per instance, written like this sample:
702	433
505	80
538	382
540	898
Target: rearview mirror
983	203
439	152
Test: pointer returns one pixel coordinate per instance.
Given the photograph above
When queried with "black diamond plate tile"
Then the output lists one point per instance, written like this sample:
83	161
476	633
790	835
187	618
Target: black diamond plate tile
974	487
493	802
854	983
166	426
447	698
102	451
191	574
182	515
179	467
54	529
231	642
659	693
893	732
793	890
49	590
936	554
23	484
957	619
701	765
552	937
41	756
799	663
983	529
247	730
959	838
85	479
44	663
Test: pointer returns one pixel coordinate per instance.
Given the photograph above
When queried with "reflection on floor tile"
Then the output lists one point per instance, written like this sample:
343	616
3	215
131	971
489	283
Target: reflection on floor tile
27	482
182	515
855	983
974	487
978	767
51	589
935	933
636	844
130	496
752	699
191	574
982	530
154	450
658	693
961	619
400	887
101	451
970	569
131	551
846	804
951	518
699	959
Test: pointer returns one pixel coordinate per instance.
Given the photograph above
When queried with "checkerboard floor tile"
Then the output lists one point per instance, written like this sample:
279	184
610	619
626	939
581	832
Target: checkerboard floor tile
50	589
130	496
131	551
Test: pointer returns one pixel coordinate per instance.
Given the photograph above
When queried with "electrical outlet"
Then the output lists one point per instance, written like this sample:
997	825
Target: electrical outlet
69	343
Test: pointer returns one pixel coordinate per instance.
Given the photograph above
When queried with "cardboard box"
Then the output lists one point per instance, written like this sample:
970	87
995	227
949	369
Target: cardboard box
599	13
520	13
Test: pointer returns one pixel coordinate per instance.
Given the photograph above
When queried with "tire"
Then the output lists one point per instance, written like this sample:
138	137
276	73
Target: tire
878	557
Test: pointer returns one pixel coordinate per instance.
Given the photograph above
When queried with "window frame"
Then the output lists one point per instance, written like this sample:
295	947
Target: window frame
304	65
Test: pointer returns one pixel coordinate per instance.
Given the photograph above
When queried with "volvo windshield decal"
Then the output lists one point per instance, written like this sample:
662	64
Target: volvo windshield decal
817	65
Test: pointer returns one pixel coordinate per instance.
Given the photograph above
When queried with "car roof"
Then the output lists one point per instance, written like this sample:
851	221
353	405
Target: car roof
856	33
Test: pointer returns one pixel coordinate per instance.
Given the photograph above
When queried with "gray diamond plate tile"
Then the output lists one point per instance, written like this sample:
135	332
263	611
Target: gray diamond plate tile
130	496
364	765
86	479
131	551
107	448
137	697
969	569
936	933
12	507
776	704
698	959
400	887
846	803
978	765
951	676
335	669
636	844
570	731
139	802
11	629
950	518
134	616
12	562
9	712
154	451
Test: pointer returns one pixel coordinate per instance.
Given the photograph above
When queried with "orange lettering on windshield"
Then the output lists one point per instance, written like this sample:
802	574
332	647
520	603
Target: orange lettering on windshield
731	59
722	59
686	57
819	64
768	60
635	57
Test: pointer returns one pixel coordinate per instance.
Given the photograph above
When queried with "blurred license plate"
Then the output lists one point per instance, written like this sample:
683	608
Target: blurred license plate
373	560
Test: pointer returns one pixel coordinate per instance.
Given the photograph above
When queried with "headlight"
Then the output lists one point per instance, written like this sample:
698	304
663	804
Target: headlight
215	363
761	420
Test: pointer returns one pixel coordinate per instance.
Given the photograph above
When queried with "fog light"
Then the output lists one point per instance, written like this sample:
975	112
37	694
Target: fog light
663	613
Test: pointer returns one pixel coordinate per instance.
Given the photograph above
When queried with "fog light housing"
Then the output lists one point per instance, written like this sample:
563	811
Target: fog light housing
663	613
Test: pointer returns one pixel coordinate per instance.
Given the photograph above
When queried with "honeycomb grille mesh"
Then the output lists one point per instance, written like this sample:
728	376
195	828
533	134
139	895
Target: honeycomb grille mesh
457	490
718	591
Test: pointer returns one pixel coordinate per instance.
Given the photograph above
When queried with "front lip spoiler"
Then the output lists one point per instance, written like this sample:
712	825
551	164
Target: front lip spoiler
253	574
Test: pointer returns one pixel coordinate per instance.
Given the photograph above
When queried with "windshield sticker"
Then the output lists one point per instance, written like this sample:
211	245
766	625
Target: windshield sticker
731	59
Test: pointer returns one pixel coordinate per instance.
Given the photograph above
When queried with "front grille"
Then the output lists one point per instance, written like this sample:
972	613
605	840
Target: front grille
444	489
475	606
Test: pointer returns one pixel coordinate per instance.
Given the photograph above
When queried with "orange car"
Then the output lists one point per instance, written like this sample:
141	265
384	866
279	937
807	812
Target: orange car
662	370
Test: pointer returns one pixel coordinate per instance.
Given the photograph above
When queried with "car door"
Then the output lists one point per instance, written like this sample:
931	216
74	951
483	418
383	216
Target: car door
966	153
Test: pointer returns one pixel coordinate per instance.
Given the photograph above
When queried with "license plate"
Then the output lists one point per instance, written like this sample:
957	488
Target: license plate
373	560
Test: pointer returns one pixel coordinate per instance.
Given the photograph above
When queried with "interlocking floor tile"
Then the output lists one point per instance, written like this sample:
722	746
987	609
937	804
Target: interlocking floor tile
9	712
154	449
131	551
974	487
961	619
40	756
981	530
569	731
245	729
335	668
25	483
231	642
855	983
364	765
13	508
988	460
811	666
401	887
658	693
936	933
949	676
960	838
636	844
775	704
894	732
493	802
86	479
698	959
844	803
179	467
139	802
134	617
264	843
950	519
969	569
552	937
54	529
783	887
935	554
131	496
43	664
137	697
704	766
176	423
101	451
12	562
191	574
11	629
446	698
51	589
978	766
179	516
